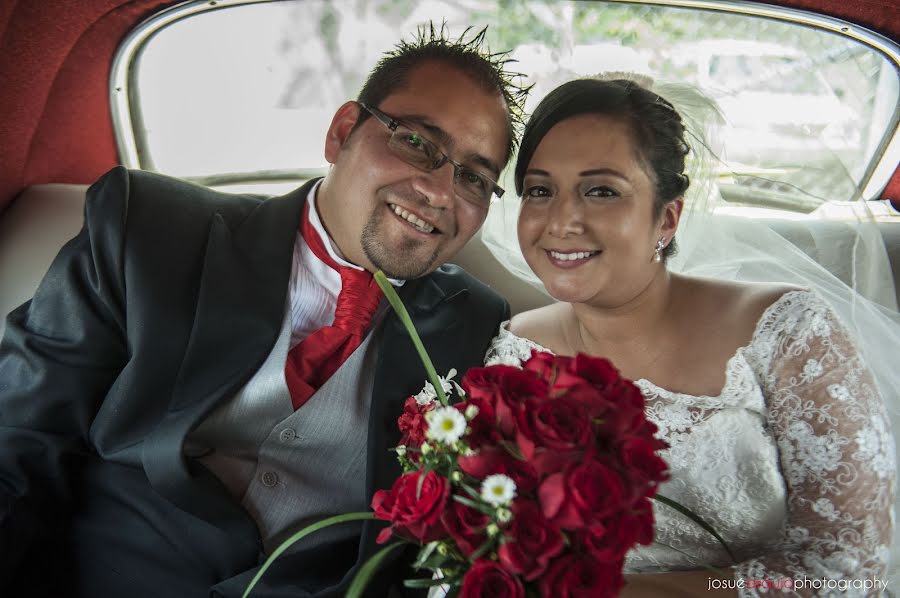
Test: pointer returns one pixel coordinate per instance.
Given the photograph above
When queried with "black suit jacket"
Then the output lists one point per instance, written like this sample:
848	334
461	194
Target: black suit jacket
168	300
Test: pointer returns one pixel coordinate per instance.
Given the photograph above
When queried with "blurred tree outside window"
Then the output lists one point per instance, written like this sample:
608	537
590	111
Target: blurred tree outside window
245	93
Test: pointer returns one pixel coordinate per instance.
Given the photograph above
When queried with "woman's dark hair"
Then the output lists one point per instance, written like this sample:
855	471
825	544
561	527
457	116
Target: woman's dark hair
657	130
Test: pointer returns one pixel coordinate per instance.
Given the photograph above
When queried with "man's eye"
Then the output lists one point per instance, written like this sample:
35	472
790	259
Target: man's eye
414	141
473	179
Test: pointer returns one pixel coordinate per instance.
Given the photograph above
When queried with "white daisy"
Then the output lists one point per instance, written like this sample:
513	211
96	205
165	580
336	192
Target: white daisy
445	424
498	490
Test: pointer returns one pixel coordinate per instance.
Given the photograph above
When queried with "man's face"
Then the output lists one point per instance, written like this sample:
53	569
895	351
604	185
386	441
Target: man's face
385	214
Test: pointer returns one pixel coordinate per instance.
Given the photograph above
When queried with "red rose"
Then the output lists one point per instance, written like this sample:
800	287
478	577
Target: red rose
644	467
465	525
598	371
583	493
493	460
610	540
541	363
483	427
414	511
556	424
505	387
579	575
568	376
412	422
487	579
530	542
632	418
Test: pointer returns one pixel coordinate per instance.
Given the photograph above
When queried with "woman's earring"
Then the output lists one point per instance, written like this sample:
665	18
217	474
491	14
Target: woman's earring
657	253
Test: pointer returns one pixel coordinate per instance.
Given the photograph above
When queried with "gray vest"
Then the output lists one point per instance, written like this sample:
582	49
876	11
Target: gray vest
291	468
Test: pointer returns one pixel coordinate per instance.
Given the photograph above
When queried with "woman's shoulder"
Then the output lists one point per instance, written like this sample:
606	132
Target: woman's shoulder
511	348
542	325
732	301
731	314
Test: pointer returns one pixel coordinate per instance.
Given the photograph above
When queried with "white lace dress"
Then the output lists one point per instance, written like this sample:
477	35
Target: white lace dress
793	463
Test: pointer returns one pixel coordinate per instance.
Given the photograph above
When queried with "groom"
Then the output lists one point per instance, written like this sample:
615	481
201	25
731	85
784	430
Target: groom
201	374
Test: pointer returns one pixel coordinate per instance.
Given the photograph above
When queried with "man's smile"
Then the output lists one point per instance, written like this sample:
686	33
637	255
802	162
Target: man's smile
414	220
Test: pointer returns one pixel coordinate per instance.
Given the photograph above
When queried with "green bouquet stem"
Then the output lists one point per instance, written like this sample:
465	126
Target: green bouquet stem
400	309
299	536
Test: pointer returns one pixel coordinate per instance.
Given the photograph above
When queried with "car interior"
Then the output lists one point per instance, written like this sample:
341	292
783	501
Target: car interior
93	85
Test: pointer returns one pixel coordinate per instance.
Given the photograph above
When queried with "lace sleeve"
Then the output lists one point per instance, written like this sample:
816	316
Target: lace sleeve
509	349
836	452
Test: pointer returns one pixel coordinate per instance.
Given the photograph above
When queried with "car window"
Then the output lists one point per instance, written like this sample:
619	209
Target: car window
242	94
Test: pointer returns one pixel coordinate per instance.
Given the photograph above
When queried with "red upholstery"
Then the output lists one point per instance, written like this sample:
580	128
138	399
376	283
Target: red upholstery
881	16
55	60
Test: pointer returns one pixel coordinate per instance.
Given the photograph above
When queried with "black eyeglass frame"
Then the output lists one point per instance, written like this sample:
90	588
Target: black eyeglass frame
441	157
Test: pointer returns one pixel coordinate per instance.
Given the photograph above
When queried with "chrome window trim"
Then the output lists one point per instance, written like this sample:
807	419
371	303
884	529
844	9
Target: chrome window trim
125	115
133	153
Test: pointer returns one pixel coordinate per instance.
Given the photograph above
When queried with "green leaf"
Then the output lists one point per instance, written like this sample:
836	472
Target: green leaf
696	519
365	573
425	583
424	554
434	562
300	535
481	550
475	505
403	315
470	490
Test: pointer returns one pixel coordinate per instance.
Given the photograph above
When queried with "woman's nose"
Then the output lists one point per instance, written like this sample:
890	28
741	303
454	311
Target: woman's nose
566	218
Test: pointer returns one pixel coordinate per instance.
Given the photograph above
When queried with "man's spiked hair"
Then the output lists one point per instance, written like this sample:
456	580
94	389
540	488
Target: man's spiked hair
470	56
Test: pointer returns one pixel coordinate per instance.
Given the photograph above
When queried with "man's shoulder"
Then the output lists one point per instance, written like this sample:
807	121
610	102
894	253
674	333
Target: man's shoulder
163	192
143	200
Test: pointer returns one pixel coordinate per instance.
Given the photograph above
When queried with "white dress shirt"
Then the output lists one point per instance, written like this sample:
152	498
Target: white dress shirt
314	284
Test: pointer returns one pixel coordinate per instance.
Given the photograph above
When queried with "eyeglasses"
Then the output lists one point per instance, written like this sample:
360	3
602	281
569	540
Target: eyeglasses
422	153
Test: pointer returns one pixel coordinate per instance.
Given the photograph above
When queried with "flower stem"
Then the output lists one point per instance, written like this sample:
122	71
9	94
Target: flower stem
302	534
403	315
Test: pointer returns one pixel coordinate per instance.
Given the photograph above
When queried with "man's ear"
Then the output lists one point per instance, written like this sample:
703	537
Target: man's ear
670	216
339	130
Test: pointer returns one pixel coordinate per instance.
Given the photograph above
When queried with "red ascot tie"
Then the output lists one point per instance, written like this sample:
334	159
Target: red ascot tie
312	362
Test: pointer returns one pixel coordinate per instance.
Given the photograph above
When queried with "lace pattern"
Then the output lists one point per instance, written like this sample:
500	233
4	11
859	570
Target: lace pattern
792	463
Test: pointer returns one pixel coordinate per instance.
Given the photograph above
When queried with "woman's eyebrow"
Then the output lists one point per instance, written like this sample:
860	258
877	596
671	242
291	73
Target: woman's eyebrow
606	171
592	172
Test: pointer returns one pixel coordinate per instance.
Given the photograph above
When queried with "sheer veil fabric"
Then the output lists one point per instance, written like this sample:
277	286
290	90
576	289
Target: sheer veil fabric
840	257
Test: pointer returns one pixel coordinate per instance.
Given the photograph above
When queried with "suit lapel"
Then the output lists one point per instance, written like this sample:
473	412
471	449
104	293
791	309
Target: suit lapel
240	307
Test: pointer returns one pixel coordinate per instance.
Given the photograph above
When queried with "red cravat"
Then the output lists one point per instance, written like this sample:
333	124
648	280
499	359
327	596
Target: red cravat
318	356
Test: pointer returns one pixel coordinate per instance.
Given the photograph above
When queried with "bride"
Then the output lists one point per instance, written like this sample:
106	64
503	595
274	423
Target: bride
778	434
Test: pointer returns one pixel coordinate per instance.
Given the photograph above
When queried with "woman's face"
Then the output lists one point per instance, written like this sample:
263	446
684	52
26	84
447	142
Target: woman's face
586	223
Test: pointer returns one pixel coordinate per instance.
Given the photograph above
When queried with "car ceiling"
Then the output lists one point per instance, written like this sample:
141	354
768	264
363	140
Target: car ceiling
55	60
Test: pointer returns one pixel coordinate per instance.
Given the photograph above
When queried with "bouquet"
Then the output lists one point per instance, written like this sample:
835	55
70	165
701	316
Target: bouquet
536	481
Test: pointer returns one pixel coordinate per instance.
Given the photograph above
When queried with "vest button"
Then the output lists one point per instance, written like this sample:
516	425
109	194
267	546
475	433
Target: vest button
269	479
287	435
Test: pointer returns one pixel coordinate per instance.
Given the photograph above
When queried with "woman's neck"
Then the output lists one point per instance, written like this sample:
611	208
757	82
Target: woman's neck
632	326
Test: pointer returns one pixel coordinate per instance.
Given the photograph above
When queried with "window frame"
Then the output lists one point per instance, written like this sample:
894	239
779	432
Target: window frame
134	153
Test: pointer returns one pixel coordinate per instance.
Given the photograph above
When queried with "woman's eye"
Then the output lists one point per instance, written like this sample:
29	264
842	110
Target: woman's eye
536	191
602	192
